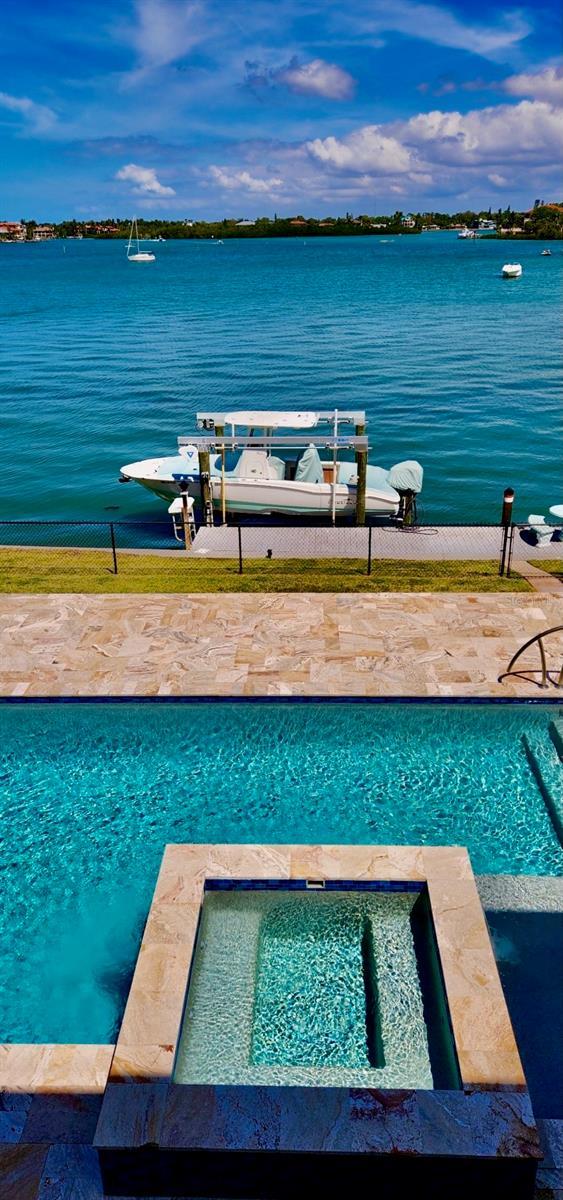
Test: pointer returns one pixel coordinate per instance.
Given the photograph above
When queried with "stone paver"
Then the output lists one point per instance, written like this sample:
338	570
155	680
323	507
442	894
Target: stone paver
267	645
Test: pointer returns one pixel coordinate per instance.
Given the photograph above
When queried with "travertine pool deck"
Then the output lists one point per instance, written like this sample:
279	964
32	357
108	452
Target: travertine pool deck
272	644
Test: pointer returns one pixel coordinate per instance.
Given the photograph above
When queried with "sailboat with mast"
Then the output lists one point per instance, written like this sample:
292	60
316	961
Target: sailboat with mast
137	255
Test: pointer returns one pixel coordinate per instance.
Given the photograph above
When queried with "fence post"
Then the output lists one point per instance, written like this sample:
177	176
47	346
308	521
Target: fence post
370	529
113	547
510	548
504	545
239	531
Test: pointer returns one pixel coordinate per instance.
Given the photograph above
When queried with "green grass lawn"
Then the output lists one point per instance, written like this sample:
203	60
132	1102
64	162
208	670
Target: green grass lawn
46	570
553	568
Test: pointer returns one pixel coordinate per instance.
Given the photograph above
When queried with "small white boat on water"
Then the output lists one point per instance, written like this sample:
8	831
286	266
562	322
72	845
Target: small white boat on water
137	255
272	474
546	253
512	270
467	233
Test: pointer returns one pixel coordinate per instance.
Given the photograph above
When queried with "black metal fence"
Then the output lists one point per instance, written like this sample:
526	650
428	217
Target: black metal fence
82	555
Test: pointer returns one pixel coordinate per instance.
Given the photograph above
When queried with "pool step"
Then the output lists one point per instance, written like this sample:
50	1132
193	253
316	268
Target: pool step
556	735
545	762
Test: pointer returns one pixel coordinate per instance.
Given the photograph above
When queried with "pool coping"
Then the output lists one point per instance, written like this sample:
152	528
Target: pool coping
489	1115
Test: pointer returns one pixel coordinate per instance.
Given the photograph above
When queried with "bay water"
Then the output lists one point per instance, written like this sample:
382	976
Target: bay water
104	362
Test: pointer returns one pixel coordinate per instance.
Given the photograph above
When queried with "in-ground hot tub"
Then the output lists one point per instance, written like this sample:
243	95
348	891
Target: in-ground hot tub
327	986
301	1012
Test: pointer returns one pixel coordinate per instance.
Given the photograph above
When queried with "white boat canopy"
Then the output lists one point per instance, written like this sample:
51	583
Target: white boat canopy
268	419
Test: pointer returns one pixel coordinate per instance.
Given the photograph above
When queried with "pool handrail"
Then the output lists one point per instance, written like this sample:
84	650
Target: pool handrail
538	637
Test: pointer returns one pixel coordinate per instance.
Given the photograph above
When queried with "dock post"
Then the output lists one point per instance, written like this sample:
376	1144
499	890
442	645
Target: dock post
185	515
361	466
220	431
205	480
239	530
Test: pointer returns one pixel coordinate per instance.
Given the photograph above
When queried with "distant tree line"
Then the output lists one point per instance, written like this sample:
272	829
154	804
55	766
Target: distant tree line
543	221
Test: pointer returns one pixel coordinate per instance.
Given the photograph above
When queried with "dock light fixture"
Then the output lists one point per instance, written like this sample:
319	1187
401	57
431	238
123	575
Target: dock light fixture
506	523
507	502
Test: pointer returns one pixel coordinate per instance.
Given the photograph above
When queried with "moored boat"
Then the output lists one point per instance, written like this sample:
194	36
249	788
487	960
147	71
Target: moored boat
512	270
272	474
138	255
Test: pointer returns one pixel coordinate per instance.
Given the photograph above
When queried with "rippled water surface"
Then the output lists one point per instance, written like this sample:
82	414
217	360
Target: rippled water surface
103	362
91	794
314	990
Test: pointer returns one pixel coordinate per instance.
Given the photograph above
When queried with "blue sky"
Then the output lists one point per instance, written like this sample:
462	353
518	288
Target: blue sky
209	108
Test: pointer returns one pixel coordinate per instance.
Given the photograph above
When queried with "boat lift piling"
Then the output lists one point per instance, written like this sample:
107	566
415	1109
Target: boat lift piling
205	479
220	431
361	465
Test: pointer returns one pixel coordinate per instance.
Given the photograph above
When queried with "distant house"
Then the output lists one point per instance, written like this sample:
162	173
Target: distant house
486	225
245	224
408	221
325	224
42	233
298	221
12	231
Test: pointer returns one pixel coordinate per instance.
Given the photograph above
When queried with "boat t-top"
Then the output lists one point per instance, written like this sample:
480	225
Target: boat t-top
546	253
138	255
244	462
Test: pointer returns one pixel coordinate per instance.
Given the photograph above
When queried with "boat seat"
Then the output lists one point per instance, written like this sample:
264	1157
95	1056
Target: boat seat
256	464
309	468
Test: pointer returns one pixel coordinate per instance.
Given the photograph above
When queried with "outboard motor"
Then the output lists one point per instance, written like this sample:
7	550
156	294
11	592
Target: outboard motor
406	477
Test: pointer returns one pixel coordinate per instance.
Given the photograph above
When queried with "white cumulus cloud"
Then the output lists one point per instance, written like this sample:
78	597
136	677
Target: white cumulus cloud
235	180
144	180
531	131
499	181
317	78
38	117
366	149
545	84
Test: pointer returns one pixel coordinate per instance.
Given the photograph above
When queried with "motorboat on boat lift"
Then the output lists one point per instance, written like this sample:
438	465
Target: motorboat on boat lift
269	473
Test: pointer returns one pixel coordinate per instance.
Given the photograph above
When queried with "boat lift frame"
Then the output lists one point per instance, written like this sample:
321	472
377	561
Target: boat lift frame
219	443
216	441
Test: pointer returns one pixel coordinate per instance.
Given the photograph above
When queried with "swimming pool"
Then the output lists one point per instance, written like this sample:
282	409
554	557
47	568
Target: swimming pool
305	988
91	793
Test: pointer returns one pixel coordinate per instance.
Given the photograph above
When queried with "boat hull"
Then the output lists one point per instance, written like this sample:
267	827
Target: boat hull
267	496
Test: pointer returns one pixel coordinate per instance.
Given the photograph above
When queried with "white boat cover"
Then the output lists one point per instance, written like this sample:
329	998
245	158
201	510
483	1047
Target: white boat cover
309	468
376	477
256	464
406	476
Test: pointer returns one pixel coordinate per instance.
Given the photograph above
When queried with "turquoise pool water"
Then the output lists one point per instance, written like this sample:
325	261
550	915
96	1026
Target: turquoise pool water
91	793
306	989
